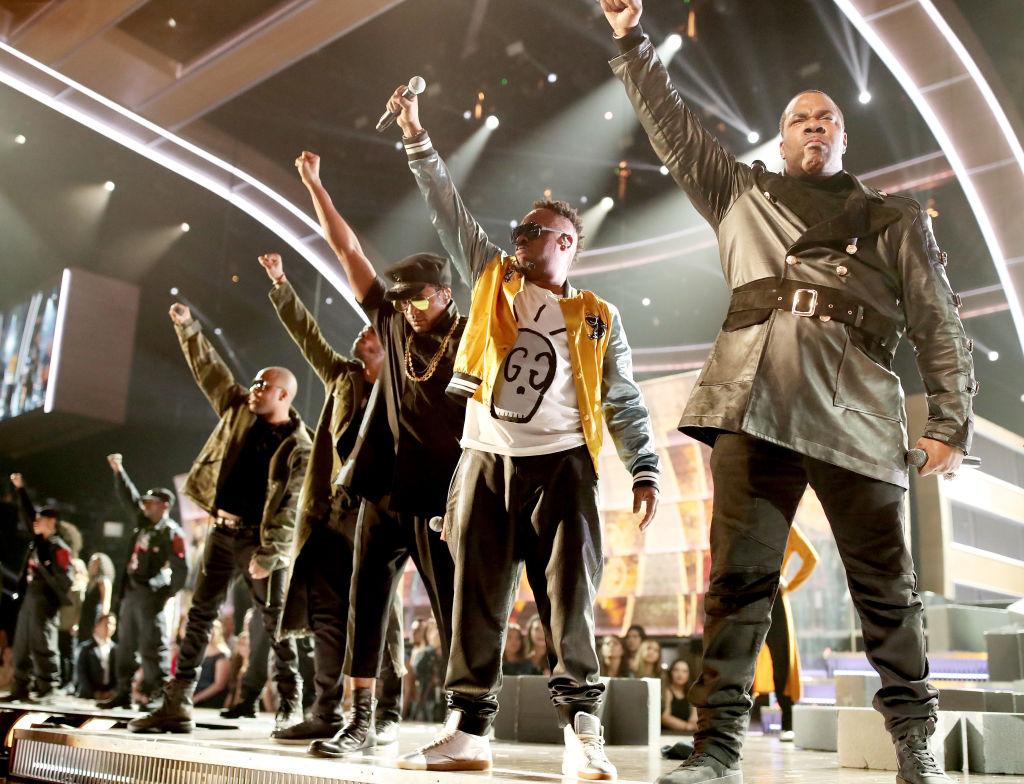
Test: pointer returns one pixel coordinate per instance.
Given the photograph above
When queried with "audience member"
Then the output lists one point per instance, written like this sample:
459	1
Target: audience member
212	688
513	660
94	661
677	714
646	663
614	663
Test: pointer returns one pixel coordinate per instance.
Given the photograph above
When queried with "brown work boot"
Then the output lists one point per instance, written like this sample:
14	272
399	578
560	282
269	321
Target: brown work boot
173	715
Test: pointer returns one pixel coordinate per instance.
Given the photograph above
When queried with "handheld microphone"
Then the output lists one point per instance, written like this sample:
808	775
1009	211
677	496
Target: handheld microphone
916	458
416	86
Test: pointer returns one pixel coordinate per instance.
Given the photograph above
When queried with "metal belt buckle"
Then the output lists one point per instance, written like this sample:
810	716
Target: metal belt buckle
812	305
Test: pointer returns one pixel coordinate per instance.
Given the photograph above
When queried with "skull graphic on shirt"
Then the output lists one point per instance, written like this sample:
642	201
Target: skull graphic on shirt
526	375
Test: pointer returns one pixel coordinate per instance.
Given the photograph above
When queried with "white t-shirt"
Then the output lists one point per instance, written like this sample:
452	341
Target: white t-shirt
534	409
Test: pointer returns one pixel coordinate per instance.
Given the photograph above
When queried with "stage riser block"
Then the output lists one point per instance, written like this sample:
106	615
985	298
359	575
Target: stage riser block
863	741
855	690
816	727
959	627
1005	654
995	742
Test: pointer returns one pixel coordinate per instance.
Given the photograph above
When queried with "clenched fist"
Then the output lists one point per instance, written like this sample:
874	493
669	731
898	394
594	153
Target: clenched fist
17	480
622	15
116	461
271	262
408	111
308	165
180	314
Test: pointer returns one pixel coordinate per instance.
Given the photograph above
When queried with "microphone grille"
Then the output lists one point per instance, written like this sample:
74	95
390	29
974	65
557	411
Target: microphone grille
417	85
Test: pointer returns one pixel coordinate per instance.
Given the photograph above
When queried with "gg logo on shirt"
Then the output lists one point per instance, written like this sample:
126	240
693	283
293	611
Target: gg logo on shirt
526	375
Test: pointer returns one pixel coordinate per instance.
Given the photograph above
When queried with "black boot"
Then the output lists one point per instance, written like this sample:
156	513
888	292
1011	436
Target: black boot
315	728
289	713
174	713
245	708
703	769
357	734
119	700
915	760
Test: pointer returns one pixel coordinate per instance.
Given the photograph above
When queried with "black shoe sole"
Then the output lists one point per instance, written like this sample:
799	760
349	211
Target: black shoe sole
180	729
319	751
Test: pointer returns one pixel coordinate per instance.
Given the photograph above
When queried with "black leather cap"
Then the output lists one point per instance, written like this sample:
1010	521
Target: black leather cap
159	494
412	273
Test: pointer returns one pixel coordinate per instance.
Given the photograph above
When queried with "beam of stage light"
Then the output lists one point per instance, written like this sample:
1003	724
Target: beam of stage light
853	49
406	226
594	216
945	140
87	204
144	137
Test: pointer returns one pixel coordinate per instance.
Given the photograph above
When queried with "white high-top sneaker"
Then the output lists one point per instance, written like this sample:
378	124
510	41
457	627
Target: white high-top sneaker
584	756
451	750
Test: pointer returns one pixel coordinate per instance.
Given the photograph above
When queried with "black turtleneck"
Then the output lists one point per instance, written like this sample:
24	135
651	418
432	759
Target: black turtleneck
816	201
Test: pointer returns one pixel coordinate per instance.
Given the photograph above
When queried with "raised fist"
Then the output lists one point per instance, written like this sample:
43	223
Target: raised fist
622	15
308	164
271	262
180	314
408	111
17	480
116	462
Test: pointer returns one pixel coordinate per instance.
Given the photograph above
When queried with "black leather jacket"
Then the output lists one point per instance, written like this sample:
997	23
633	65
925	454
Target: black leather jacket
798	381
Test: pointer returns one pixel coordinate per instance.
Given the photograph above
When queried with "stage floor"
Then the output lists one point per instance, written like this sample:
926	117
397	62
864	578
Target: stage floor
242	752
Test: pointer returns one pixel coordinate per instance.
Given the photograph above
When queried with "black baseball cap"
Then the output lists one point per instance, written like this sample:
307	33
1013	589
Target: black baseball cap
159	494
48	511
412	273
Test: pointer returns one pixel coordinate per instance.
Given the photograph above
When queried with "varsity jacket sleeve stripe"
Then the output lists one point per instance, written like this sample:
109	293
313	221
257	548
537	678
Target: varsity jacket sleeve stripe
625	412
463	238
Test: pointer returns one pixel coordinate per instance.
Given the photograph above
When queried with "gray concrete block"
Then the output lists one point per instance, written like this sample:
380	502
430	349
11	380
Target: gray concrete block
995	742
508	708
1005	648
816	727
961	700
863	742
999	702
1016	612
536	720
632	711
1018	702
960	627
856	691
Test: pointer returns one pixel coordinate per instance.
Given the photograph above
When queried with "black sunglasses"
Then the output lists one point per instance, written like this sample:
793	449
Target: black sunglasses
530	231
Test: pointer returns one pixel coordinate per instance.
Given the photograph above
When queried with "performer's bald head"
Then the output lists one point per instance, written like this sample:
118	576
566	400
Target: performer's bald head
272	392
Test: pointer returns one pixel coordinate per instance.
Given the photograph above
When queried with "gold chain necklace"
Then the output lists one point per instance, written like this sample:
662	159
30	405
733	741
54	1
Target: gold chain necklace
434	361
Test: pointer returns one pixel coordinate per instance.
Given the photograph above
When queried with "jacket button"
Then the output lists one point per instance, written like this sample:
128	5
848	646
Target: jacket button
851	248
792	261
842	271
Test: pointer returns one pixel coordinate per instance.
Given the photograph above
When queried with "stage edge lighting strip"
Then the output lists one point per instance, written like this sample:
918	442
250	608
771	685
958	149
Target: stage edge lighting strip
58	340
235	197
942	136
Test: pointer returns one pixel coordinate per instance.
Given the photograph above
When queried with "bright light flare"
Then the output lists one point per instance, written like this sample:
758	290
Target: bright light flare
607	203
109	186
492	122
753	137
864	97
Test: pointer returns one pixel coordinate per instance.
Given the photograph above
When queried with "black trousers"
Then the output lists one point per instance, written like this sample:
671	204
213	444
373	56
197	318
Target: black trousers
505	512
383	545
35	644
227	552
777	642
758	486
324	568
142	634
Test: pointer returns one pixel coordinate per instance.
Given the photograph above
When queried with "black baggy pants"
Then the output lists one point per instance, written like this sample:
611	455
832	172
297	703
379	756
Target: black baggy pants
505	512
142	634
227	552
758	486
383	545
35	643
325	570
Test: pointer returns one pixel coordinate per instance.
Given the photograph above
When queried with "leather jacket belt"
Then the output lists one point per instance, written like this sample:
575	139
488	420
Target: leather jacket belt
812	301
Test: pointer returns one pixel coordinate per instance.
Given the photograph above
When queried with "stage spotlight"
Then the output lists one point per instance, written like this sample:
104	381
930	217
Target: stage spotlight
607	203
467	115
398	145
513	223
174	291
663	170
646	301
329	300
993	356
218	331
109	186
753	137
172	22
609	115
584	199
492	122
552	78
20	139
864	97
671	45
185	227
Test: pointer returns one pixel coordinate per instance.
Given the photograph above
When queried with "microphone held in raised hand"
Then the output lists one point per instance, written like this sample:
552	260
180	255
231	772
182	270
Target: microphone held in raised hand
416	86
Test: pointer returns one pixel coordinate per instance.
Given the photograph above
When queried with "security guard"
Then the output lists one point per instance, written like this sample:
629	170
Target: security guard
154	573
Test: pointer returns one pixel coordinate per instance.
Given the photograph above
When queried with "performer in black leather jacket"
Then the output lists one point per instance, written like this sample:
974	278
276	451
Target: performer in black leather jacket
826	276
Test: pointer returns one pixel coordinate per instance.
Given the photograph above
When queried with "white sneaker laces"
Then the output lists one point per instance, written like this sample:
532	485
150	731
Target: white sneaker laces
440	740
